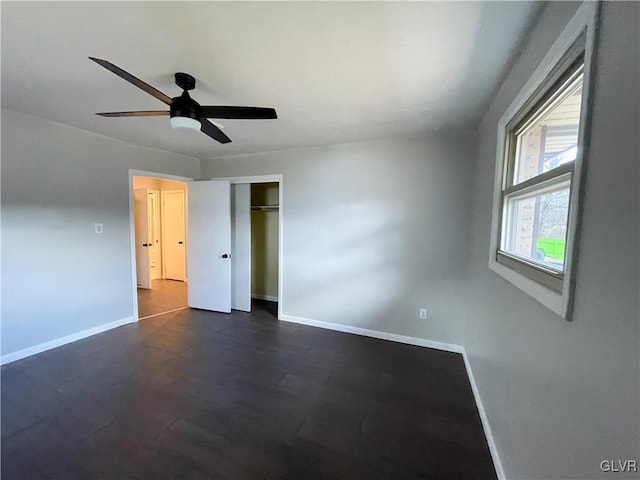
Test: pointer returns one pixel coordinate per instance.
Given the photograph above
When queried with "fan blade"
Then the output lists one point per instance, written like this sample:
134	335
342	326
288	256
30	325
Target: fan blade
131	79
149	113
214	132
241	113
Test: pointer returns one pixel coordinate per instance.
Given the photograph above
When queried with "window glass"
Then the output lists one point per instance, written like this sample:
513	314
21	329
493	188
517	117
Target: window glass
536	226
552	139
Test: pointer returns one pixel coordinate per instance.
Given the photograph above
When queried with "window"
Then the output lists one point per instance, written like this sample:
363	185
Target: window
540	170
542	146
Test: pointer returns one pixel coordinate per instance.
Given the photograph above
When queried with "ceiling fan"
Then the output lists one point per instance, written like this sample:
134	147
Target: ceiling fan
186	113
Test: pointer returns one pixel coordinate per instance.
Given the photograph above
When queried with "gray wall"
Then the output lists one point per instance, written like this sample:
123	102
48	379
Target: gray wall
563	396
58	276
372	231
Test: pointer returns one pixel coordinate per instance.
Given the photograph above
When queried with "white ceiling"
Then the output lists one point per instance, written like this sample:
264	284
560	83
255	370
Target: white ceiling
336	72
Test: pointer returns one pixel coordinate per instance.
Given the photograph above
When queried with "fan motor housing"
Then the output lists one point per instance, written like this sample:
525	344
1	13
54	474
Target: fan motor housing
185	106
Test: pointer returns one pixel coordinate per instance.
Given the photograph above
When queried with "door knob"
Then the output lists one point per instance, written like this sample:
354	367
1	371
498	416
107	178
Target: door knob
145	244
226	255
179	243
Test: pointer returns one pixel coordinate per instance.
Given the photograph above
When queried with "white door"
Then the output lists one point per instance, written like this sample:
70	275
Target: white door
209	232
142	234
241	246
174	235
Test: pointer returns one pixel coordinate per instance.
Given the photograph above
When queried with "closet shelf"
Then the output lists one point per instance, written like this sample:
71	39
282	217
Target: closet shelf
265	208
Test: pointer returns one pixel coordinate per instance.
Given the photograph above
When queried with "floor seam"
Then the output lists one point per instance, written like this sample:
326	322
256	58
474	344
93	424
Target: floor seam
163	313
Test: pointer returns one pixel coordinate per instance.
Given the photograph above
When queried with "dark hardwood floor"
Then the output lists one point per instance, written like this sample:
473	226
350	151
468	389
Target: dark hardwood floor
199	395
164	296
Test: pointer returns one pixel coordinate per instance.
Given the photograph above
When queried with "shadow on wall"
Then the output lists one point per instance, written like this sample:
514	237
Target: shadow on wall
357	268
372	231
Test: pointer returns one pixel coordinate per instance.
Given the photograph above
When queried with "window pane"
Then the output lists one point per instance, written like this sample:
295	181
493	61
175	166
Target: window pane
552	140
535	227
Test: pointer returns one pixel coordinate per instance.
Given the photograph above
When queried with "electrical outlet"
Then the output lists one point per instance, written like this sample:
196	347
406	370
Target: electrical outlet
423	313
97	227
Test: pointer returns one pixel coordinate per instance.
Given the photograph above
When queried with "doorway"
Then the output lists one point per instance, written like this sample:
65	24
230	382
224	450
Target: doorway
159	217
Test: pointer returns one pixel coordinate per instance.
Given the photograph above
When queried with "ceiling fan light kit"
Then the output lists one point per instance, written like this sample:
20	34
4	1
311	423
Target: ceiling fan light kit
185	113
185	124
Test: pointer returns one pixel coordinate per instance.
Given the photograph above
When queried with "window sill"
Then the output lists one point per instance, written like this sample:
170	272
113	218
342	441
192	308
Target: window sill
554	301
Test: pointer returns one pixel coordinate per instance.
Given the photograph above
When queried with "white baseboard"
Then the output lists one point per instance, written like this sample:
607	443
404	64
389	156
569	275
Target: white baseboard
27	352
485	420
421	342
268	298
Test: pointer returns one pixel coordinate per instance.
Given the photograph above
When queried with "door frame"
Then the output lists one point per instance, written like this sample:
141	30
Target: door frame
275	178
156	225
132	239
144	192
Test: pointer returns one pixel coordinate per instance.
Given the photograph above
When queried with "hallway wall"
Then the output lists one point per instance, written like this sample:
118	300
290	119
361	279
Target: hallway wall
161	185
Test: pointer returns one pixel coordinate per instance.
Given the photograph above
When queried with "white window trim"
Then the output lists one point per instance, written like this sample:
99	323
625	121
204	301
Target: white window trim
585	20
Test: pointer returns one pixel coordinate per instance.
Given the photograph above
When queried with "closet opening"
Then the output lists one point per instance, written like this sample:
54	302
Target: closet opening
265	245
256	244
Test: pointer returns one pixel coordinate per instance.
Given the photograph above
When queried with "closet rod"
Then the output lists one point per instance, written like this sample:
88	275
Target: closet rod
265	207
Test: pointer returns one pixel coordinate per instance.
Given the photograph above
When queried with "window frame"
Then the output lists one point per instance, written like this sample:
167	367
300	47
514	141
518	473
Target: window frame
576	45
561	80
